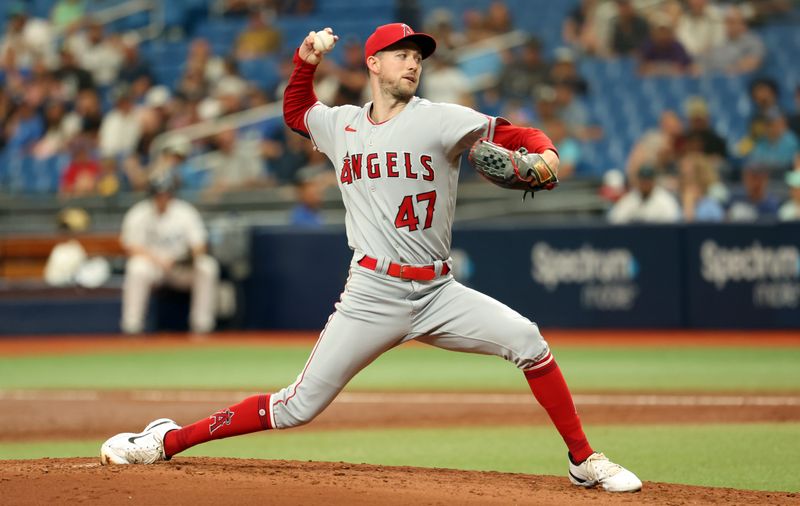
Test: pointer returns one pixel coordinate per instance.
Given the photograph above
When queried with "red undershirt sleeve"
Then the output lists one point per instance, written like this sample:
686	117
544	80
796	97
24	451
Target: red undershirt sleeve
514	137
299	95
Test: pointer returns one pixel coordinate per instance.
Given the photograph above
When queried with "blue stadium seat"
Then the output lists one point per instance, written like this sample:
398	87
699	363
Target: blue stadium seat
263	71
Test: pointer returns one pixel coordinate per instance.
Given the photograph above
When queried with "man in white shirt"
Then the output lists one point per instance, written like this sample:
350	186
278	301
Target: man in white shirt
701	28
167	244
647	202
120	130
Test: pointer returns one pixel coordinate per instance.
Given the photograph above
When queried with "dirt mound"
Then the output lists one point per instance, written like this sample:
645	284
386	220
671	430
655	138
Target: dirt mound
201	481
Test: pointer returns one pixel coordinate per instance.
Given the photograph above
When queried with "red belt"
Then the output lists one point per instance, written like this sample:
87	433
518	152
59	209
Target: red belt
417	273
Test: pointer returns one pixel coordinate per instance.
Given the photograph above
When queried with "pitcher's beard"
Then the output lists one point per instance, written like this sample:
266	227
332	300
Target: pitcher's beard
397	92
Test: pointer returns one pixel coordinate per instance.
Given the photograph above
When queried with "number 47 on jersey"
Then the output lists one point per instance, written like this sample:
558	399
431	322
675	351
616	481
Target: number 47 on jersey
407	215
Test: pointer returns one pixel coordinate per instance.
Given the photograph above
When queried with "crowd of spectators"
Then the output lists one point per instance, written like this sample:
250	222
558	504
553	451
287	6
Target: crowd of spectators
75	93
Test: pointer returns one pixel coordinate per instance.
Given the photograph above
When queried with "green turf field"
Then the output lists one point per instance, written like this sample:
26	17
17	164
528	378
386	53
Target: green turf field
415	368
751	456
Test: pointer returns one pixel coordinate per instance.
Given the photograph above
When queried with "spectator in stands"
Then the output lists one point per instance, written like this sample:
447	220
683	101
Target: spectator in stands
172	158
231	88
741	52
698	176
201	61
779	148
498	18
701	28
700	135
120	130
656	147
134	68
235	165
67	14
83	172
39	86
351	75
578	29
24	128
310	187
475	26
192	85
167	244
790	210
152	119
759	12
440	27
646	202
524	72
663	54
630	31
99	54
71	78
564	71
764	94
289	158
55	138
176	158
546	106
260	38
572	111
753	201
26	40
444	82
794	119
568	147
87	115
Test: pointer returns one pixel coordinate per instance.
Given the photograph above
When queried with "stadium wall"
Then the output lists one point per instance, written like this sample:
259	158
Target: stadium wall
681	276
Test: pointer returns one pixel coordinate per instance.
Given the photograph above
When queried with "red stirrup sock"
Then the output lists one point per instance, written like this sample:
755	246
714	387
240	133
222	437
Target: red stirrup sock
548	386
250	415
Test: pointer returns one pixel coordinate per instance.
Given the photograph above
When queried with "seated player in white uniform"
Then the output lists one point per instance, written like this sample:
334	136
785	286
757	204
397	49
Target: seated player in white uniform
167	245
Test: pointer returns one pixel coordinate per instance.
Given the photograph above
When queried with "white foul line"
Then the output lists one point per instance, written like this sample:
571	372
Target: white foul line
405	398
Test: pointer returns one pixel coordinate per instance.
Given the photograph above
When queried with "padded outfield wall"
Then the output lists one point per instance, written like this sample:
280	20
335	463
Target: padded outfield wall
580	277
698	276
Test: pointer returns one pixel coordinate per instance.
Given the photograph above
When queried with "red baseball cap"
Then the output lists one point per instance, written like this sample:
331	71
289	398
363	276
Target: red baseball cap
386	35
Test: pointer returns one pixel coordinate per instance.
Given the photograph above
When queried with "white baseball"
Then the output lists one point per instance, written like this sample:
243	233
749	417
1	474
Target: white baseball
323	41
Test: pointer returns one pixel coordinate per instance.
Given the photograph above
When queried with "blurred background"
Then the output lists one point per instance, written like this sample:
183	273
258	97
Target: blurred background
677	123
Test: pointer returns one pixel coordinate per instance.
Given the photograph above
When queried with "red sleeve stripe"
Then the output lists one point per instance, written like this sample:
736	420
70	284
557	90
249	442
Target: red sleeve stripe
542	367
264	406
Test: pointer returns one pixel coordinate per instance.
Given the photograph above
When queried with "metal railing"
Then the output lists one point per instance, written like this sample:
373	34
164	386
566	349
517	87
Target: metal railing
122	10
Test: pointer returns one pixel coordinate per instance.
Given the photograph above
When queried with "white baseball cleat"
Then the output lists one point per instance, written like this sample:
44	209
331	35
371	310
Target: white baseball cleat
145	447
598	470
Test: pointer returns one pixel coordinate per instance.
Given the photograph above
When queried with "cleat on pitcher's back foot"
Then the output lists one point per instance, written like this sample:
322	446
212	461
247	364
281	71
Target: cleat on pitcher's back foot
598	470
146	447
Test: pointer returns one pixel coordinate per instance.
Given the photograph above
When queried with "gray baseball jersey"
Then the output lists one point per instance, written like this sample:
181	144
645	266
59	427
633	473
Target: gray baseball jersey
398	178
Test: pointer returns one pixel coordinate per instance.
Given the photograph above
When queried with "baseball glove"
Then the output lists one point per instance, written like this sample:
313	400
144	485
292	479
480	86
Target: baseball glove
515	170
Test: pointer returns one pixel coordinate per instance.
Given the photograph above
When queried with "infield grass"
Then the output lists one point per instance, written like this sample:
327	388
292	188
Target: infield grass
744	456
413	368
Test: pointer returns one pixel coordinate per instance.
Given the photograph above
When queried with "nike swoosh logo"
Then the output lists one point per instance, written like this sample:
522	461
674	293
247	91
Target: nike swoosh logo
348	128
576	478
132	439
156	425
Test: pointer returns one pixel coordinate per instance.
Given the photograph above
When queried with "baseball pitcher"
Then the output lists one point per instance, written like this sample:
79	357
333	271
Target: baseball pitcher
397	161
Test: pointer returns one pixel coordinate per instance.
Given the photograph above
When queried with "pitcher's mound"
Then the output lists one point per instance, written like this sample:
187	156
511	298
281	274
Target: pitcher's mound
207	481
